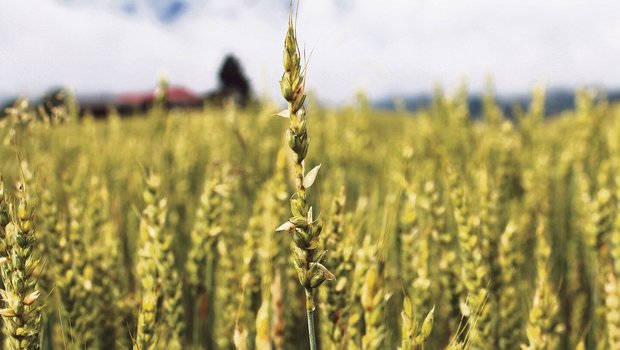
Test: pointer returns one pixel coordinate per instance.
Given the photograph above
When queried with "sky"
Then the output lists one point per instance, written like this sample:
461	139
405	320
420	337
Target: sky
382	47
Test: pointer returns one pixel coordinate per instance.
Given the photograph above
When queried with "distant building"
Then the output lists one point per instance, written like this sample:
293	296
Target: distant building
138	102
176	96
233	86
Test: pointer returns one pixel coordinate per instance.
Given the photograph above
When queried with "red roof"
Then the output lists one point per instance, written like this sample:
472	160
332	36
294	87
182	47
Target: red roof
176	95
181	95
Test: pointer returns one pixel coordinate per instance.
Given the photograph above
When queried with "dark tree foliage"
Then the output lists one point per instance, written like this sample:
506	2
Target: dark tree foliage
233	82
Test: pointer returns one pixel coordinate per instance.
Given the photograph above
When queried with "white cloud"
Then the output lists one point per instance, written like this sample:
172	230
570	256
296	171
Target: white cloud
383	47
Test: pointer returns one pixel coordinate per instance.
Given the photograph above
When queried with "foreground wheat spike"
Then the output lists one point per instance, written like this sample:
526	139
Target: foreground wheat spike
413	255
408	233
585	229
106	285
76	286
148	269
205	233
541	329
21	311
602	223
53	226
355	311
87	304
373	298
446	284
414	260
334	296
510	315
173	323
224	295
250	296
474	271
68	267
304	229
414	335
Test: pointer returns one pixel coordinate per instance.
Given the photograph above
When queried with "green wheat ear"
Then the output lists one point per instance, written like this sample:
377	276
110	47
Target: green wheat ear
22	307
302	226
152	222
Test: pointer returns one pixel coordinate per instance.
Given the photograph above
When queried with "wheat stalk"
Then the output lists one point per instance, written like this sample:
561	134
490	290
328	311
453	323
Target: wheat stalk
303	227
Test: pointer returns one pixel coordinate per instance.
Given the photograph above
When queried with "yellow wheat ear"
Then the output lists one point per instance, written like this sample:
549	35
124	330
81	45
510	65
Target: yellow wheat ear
303	228
19	267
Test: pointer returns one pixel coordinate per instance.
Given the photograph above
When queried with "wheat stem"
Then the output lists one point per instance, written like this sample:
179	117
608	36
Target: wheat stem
311	332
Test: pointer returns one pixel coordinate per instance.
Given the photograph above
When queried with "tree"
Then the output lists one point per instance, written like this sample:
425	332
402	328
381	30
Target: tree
233	82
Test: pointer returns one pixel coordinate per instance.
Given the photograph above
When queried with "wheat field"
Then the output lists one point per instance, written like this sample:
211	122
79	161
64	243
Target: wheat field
311	227
441	231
